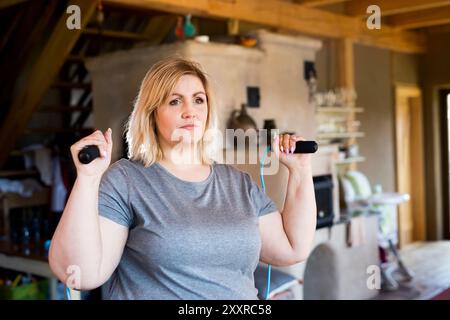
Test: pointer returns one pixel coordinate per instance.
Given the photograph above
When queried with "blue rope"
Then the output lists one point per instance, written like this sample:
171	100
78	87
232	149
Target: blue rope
261	171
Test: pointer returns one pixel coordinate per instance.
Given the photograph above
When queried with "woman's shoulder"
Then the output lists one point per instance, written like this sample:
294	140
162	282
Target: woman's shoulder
116	170
122	167
119	165
131	168
126	164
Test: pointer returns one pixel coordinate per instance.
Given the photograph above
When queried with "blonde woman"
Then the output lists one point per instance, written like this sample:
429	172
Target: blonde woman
155	227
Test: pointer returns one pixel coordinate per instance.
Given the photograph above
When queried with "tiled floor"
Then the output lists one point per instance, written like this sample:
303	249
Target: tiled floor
430	264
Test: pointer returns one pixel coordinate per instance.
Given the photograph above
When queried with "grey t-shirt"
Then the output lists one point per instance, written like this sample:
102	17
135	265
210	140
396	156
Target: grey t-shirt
187	240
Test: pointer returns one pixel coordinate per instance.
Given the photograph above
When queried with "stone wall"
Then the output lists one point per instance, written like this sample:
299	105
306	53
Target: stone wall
276	66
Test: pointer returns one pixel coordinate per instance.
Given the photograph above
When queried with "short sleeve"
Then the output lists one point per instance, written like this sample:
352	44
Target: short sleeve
113	197
261	201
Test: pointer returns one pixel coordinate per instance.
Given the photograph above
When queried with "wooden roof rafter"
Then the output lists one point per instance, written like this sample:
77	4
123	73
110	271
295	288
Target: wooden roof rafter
318	3
420	19
289	16
391	7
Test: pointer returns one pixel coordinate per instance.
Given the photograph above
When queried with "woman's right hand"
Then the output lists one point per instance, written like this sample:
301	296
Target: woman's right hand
99	165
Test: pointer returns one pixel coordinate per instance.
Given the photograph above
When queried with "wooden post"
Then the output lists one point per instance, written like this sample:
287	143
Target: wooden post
345	63
345	69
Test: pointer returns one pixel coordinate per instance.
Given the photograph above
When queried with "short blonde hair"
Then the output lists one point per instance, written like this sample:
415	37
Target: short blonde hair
158	83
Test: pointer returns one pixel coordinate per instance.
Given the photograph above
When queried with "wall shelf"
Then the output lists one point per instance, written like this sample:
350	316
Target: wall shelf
349	160
333	109
336	125
340	135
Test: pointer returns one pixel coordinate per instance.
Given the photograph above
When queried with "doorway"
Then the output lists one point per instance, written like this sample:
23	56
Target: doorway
444	112
410	163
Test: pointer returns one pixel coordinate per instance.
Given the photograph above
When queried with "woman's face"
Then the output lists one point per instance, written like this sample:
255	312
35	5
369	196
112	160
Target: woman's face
182	118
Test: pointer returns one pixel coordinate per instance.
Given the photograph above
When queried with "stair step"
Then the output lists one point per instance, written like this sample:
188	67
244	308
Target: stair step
58	130
70	85
64	109
75	58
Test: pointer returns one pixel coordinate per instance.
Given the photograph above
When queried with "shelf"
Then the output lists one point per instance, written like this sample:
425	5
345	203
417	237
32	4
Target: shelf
341	135
39	198
16	173
37	252
350	160
35	263
338	109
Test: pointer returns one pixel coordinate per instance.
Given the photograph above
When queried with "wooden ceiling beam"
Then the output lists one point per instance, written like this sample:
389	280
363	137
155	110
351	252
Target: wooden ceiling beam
420	19
437	29
289	16
318	3
9	3
42	73
390	7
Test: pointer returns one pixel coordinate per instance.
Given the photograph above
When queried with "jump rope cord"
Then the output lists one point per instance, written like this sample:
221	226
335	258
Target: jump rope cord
261	169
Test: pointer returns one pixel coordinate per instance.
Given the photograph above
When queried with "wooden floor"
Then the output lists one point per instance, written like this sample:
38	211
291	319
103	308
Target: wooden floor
430	264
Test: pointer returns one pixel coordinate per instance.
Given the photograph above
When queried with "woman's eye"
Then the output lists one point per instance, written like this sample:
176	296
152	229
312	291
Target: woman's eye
174	102
199	101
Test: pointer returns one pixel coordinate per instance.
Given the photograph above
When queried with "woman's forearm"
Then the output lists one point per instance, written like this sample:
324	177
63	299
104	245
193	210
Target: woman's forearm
76	244
299	212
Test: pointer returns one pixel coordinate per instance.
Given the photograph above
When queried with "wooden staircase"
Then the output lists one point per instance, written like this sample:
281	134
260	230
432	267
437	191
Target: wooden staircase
55	105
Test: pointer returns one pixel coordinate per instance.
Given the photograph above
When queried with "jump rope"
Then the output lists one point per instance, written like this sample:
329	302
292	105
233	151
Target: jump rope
90	152
261	176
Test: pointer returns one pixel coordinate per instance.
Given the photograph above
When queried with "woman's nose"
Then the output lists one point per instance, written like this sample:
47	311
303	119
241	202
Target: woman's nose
188	111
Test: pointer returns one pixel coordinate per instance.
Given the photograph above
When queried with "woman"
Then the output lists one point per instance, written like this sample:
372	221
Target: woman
172	224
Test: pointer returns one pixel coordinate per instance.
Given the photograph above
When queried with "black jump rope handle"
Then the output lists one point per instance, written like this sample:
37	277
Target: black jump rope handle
90	152
306	147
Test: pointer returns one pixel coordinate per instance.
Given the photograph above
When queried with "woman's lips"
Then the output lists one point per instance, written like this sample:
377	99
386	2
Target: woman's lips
189	127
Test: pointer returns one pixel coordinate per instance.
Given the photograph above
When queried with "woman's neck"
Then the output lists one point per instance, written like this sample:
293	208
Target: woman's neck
181	155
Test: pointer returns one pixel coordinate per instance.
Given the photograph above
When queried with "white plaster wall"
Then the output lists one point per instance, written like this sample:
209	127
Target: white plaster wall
276	66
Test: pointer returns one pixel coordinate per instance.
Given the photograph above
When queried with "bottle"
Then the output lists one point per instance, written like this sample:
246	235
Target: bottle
179	29
36	234
189	28
377	189
25	240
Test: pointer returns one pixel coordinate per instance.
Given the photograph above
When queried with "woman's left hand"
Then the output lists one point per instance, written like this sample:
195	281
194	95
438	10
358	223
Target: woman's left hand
284	145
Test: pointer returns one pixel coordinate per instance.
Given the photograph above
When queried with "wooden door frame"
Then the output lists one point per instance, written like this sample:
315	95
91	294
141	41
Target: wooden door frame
414	94
442	92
